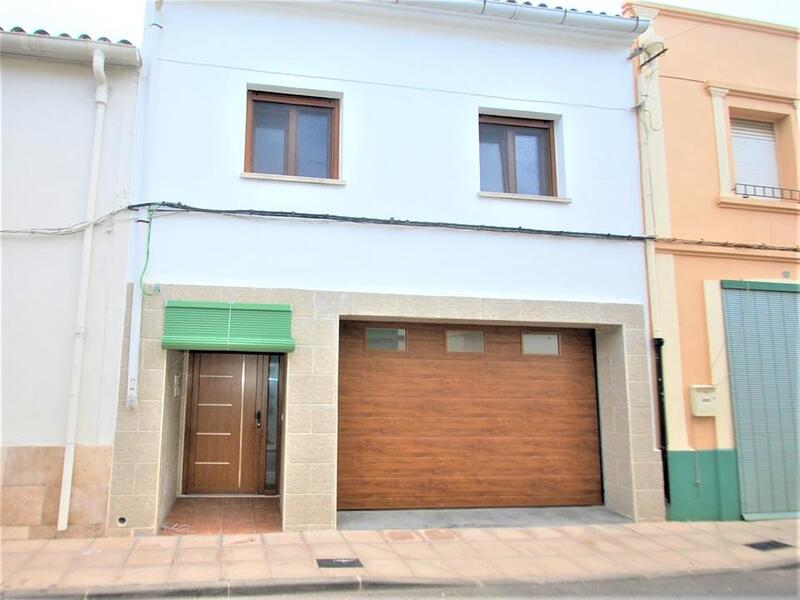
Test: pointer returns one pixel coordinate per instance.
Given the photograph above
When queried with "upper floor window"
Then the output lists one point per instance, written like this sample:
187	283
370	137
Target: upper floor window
292	135
517	156
754	154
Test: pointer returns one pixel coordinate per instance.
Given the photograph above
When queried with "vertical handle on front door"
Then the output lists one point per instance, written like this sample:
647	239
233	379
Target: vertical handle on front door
258	419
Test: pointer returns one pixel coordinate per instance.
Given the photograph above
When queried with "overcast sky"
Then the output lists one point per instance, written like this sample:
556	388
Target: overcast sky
118	19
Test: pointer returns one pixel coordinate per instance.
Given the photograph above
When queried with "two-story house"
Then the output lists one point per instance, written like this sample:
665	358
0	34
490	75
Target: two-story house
391	256
720	164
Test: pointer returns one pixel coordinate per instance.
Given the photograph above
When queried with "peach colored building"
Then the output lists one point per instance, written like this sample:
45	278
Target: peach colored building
719	110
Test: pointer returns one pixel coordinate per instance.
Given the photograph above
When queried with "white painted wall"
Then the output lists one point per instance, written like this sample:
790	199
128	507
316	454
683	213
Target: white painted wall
412	85
48	115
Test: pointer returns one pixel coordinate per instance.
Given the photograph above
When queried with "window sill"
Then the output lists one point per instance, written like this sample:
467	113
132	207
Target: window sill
293	178
529	197
781	206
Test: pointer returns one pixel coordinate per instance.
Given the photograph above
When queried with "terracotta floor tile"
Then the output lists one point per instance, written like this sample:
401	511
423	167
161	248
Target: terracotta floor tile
675	542
556	568
532	548
281	538
48	560
401	535
89	577
417	550
294	568
436	569
639	563
148	556
704	539
254	569
570	547
452	550
374	551
601	566
324	536
386	568
244	553
510	533
362	536
515	568
10	563
340	550
544	533
288	552
708	558
475	534
103	558
194	572
143	575
13	546
251	539
640	544
200	541
434	535
495	549
30	579
235	516
238	529
67	545
118	543
474	568
156	543
197	555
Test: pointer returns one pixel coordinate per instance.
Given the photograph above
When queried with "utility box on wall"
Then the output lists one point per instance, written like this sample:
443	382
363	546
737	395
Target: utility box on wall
704	400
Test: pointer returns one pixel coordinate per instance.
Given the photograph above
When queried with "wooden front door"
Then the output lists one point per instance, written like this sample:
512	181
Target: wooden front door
225	433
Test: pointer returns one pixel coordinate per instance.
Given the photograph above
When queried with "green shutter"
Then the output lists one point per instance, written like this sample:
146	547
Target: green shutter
763	328
227	326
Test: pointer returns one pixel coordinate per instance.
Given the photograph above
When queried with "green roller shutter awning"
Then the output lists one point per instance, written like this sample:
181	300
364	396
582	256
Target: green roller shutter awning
230	326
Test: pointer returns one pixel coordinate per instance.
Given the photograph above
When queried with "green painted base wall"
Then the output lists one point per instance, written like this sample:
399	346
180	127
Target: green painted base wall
704	486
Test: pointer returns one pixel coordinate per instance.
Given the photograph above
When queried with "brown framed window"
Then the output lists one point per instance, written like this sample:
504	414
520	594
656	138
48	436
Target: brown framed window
292	135
517	156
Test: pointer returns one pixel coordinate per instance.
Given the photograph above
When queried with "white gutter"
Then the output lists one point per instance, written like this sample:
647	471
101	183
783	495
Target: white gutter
67	49
143	102
100	101
516	11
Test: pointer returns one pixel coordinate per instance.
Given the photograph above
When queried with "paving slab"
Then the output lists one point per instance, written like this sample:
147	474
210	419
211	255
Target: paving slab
227	565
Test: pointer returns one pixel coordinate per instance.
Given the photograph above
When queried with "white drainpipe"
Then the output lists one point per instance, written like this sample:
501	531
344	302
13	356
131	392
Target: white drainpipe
143	102
100	101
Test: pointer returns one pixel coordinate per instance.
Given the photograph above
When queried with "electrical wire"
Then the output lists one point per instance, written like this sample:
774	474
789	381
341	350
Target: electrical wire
67	230
151	211
172	207
160	209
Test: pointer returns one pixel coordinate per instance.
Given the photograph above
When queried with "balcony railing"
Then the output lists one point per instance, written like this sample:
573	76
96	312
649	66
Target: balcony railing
747	190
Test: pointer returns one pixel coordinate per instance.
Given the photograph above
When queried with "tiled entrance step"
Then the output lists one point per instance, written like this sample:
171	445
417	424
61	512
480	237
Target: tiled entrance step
205	515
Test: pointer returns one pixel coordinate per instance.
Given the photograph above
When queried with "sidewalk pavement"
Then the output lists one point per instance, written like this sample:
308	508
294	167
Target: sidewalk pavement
254	564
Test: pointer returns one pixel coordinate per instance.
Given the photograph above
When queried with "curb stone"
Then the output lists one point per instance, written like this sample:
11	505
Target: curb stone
248	588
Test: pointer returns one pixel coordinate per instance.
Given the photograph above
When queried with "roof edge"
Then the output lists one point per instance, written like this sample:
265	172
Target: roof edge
528	13
711	16
67	49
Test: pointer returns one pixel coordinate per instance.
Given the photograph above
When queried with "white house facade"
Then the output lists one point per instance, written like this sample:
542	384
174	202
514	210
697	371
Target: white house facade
387	255
68	122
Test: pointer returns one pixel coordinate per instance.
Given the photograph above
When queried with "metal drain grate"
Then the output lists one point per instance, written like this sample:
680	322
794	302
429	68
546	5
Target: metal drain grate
768	545
339	563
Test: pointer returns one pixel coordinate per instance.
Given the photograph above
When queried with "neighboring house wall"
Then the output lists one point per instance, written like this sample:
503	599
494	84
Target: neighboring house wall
701	87
48	119
412	85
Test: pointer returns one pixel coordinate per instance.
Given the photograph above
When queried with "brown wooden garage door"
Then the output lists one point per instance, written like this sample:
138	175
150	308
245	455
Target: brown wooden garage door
429	428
